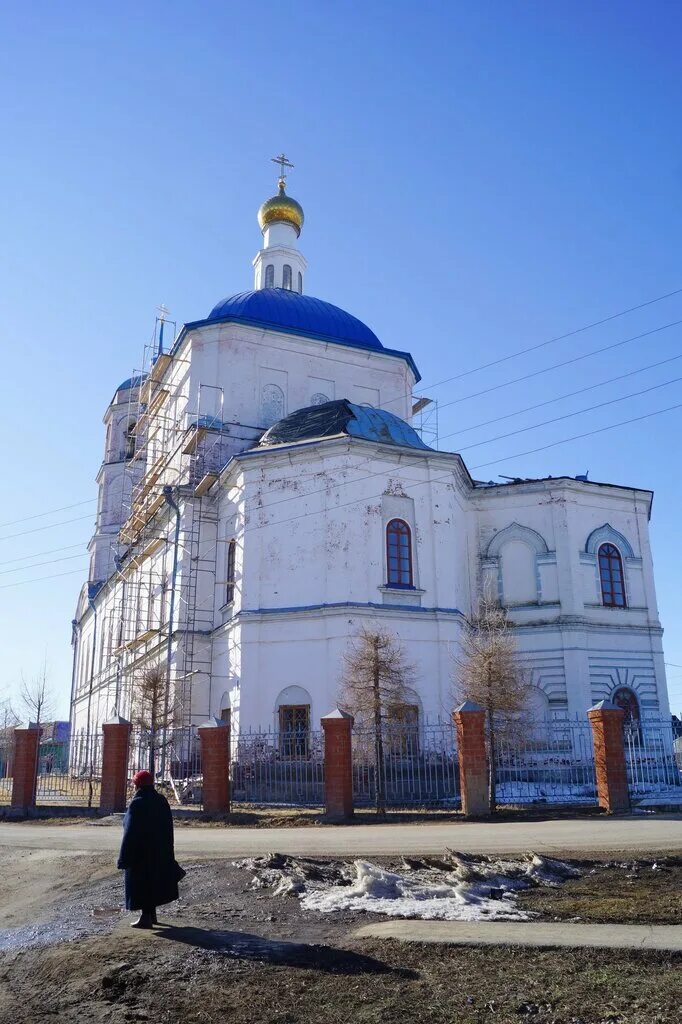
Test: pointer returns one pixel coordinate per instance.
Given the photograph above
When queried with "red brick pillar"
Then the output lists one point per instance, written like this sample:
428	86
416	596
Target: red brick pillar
473	759
609	756
215	765
25	767
114	764
338	765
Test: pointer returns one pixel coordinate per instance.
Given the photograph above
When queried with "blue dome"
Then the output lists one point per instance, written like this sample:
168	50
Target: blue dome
299	314
132	382
330	419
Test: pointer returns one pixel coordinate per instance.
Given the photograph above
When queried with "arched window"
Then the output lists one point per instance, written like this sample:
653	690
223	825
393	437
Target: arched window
286	277
130	440
399	554
229	587
300	283
611	577
272	404
626	699
270	276
318	399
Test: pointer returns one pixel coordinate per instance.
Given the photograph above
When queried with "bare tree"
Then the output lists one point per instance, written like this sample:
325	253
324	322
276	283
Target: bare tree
488	673
153	713
9	720
374	686
37	697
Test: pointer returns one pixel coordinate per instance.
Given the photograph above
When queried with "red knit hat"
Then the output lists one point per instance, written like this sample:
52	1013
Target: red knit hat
143	778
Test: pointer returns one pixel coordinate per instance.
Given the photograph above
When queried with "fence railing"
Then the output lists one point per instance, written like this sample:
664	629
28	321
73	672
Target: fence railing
178	753
547	760
70	773
6	754
650	760
278	767
417	766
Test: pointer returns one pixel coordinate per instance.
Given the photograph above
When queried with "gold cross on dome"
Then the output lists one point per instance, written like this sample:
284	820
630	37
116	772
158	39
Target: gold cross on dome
283	162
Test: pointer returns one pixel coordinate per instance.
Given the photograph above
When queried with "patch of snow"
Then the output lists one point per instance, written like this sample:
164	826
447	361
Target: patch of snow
378	891
455	887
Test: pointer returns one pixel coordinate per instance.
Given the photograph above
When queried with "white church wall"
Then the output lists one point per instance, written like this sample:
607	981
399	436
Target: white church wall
235	358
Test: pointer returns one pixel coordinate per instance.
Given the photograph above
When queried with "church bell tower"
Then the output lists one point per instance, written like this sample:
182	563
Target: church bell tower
280	264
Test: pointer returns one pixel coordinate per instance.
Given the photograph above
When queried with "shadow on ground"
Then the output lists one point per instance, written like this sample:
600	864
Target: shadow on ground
243	946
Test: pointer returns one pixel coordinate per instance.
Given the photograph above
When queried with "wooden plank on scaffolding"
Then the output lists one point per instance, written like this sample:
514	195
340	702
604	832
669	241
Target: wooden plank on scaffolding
161	364
193	440
205	484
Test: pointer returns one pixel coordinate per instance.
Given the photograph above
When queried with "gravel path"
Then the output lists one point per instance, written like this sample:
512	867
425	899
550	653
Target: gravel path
632	834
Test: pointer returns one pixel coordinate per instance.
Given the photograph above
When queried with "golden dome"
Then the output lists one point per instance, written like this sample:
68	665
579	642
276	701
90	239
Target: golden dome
281	208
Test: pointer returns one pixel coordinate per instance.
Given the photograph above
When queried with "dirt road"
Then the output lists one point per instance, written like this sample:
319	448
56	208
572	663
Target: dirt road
633	834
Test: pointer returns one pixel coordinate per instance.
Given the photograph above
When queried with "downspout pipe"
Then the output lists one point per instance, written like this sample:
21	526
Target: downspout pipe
93	608
75	643
168	496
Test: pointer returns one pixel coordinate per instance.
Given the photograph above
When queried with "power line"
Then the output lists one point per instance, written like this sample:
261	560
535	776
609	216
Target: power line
37	554
556	366
448	476
40	579
552	341
577	437
36	565
560	398
409	486
39	515
569	415
51	526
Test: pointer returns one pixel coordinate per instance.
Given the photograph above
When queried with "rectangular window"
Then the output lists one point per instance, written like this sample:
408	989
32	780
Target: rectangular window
403	730
294	730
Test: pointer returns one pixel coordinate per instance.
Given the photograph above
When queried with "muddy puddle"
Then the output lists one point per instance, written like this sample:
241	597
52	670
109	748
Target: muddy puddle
93	912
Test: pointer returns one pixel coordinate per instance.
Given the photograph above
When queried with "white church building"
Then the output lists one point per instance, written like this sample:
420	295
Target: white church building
262	496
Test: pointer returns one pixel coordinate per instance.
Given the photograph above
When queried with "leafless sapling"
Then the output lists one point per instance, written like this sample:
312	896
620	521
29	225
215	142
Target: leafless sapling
488	673
374	687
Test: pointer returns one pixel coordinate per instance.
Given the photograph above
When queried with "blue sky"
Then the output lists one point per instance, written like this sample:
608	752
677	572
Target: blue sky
477	178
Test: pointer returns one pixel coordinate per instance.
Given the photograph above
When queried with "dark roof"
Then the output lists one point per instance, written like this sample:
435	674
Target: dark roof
343	417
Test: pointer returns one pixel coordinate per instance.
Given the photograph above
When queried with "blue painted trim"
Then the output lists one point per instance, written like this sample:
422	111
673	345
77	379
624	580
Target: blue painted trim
347	604
264	325
607	535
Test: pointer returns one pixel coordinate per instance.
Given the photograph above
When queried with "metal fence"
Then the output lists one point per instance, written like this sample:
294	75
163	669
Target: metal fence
278	767
545	761
417	766
6	754
652	769
173	757
70	774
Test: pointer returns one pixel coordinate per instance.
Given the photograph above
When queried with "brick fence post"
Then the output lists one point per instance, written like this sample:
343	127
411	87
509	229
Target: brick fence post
25	767
114	764
338	765
609	756
215	765
469	719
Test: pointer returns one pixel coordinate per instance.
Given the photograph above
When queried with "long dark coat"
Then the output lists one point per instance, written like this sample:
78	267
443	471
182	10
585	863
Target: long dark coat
147	855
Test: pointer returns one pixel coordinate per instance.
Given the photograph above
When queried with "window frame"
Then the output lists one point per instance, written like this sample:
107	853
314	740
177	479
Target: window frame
292	744
269	276
287	275
608	576
230	571
407	532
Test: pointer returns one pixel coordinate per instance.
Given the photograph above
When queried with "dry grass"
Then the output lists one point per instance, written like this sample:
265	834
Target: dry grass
634	893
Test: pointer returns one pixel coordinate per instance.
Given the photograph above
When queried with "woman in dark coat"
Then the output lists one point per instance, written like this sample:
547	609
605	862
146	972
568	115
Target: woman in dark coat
147	854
